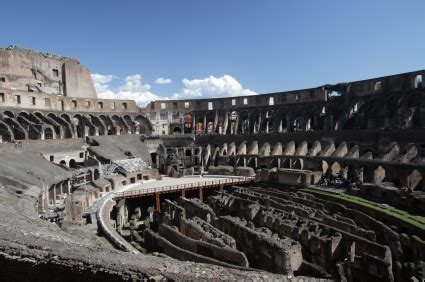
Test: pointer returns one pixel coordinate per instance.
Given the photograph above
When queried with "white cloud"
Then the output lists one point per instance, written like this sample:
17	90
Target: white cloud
101	81
132	88
162	80
212	87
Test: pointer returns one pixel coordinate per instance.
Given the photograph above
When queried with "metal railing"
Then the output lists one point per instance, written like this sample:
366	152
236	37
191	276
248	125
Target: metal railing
179	187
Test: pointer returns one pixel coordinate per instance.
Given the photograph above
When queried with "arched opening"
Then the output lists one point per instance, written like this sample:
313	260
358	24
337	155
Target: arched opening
308	124
48	133
418	81
244	124
120	124
286	163
66	117
187	123
72	163
153	158
98	124
220	126
256	122
232	129
96	174
297	124
210	127
269	122
144	125
199	128
177	130
78	121
5	133
9	114
378	86
62	162
283	126
274	163
298	164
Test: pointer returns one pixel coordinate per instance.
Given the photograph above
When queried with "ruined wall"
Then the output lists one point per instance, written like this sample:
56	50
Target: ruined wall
28	70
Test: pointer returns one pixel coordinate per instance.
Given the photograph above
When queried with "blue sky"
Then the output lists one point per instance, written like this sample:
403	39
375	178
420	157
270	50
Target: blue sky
262	46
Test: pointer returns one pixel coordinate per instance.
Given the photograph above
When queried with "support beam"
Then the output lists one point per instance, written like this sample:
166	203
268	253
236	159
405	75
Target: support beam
157	202
221	188
201	195
184	193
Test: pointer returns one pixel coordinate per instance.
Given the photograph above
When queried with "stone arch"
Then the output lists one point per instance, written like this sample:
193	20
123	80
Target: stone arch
144	125
24	114
101	127
5	132
130	124
78	121
9	114
36	117
119	124
18	131
39	115
66	117
52	116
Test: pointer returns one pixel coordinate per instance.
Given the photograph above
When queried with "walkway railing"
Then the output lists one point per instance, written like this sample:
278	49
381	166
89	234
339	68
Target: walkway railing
172	188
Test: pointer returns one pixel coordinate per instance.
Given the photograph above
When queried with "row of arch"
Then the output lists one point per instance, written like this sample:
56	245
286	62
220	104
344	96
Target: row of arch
400	110
37	125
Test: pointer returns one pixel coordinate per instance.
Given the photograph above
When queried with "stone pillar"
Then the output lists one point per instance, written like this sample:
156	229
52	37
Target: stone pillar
184	193
47	200
54	194
68	187
344	173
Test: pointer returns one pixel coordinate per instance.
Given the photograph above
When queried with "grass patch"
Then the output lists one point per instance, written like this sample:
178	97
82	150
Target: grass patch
415	220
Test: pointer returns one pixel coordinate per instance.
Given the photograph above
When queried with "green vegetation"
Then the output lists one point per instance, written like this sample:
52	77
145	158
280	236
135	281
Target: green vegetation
417	221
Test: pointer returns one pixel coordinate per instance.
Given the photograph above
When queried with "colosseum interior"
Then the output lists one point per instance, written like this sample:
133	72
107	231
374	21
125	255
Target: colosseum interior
320	184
